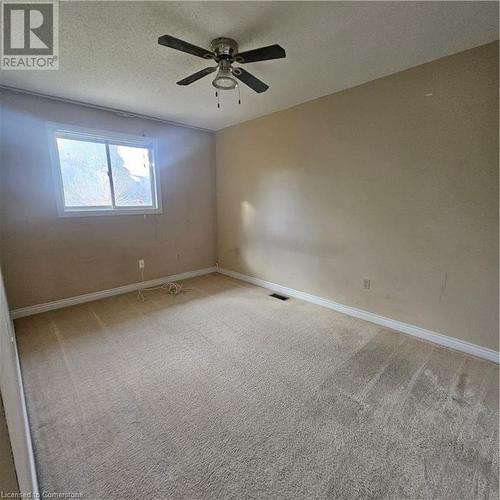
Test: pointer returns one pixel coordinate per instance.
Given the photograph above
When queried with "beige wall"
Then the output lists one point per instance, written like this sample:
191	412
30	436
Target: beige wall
379	182
8	481
46	257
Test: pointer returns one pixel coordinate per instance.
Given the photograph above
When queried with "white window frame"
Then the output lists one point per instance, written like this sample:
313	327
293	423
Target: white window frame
55	130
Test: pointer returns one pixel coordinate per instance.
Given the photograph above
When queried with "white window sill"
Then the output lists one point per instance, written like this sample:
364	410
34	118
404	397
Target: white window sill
105	212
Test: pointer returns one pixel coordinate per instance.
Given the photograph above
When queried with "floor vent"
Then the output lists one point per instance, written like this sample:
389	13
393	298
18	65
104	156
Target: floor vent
278	296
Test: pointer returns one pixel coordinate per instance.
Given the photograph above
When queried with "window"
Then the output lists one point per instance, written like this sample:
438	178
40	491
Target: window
103	173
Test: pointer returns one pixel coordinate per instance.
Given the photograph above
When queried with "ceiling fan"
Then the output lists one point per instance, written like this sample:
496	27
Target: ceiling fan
224	51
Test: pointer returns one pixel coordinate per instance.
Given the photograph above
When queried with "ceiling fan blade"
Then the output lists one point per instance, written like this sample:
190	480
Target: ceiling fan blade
250	80
175	43
196	76
262	54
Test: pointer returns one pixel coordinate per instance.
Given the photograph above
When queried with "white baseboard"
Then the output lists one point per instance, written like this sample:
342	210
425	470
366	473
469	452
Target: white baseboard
88	297
415	331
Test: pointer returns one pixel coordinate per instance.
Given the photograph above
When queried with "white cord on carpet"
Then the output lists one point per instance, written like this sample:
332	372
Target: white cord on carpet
172	288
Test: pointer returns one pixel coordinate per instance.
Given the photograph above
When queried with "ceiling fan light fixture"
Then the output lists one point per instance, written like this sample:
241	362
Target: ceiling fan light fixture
224	79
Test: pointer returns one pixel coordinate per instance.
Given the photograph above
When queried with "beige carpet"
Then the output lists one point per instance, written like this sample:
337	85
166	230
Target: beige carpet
224	392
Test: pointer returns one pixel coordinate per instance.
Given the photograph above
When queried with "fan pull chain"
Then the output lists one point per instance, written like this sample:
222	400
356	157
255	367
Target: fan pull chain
239	95
218	100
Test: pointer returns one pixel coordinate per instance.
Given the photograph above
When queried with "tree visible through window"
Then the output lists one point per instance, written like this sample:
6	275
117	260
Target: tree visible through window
131	176
84	171
101	174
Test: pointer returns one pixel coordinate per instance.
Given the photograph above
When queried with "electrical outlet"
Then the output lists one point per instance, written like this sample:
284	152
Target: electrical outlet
366	283
141	263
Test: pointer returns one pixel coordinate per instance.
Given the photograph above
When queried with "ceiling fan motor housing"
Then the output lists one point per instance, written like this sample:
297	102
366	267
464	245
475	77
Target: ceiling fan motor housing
224	48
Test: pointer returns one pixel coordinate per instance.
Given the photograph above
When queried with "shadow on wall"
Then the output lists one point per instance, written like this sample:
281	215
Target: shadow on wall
283	223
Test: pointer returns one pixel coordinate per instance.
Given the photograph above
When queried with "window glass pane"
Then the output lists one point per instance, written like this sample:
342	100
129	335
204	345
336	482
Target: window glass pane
131	176
84	173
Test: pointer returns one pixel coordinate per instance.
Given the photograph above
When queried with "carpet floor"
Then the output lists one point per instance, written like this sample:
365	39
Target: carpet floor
225	392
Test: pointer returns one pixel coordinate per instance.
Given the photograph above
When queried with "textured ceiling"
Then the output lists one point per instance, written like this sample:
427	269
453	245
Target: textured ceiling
109	54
